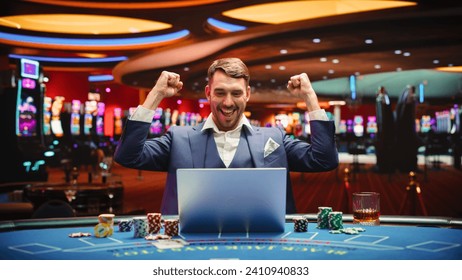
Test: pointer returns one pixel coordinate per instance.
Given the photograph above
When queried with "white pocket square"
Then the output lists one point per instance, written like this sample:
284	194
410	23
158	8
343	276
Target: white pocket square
270	147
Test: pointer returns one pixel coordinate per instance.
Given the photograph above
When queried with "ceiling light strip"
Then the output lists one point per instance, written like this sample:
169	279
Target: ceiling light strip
70	59
225	26
113	42
100	78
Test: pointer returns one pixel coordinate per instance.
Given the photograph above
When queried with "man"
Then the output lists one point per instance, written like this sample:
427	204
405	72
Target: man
226	139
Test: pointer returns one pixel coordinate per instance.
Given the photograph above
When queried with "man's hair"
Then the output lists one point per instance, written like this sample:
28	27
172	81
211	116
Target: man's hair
233	67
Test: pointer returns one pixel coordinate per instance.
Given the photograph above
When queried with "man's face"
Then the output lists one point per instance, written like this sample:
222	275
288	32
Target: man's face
228	98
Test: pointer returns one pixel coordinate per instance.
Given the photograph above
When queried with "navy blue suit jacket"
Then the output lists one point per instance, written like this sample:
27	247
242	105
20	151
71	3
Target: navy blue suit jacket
184	147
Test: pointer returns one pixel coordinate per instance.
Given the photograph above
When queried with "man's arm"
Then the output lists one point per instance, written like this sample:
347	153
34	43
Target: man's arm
321	154
133	149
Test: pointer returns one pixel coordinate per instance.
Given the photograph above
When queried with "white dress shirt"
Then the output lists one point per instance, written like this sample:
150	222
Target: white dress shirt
227	141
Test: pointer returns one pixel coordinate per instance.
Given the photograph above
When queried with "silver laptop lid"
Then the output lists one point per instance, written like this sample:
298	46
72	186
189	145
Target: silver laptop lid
231	200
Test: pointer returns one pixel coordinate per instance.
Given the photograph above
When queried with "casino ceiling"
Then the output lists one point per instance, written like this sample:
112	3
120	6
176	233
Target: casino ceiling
343	45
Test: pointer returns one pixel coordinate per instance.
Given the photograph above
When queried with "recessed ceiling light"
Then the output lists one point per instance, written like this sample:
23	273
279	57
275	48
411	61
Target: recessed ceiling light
331	71
335	61
323	59
324	77
377	66
368	41
399	69
282	67
283	51
267	66
316	40
407	54
436	61
186	69
398	51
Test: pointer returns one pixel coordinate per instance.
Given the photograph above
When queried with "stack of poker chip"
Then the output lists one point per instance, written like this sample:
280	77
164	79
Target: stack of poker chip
323	217
171	227
335	220
154	223
140	227
300	224
125	225
105	227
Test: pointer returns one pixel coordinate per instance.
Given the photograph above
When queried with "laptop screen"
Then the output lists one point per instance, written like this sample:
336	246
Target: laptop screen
218	200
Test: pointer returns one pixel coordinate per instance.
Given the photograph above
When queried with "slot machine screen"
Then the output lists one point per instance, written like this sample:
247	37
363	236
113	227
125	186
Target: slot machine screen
156	124
27	114
371	125
117	121
75	117
342	127
47	115
425	124
100	119
30	69
358	127
90	110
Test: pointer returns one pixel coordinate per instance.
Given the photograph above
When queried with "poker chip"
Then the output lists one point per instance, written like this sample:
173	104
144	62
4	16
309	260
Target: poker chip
323	217
103	230
79	234
351	231
171	227
106	218
154	222
125	225
140	227
300	224
157	237
335	220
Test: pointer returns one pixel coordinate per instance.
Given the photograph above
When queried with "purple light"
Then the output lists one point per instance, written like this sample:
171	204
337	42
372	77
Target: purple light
28	83
108	89
179	102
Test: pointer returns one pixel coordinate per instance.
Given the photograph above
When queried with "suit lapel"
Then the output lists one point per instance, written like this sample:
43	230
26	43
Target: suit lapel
256	145
198	145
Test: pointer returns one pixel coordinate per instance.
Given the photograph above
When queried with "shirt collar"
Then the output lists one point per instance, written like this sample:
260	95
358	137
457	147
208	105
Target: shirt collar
210	124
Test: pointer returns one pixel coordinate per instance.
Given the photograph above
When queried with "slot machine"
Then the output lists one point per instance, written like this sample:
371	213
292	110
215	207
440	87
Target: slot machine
75	118
358	126
101	108
56	123
118	123
156	128
90	110
371	126
47	116
24	149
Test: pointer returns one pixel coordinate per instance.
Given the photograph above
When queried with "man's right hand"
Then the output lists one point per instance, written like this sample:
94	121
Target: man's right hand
167	85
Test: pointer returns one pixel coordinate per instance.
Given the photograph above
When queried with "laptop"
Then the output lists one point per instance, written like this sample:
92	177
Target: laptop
222	200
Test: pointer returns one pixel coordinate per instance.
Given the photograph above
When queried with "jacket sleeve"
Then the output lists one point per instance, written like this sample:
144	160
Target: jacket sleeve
319	155
134	150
